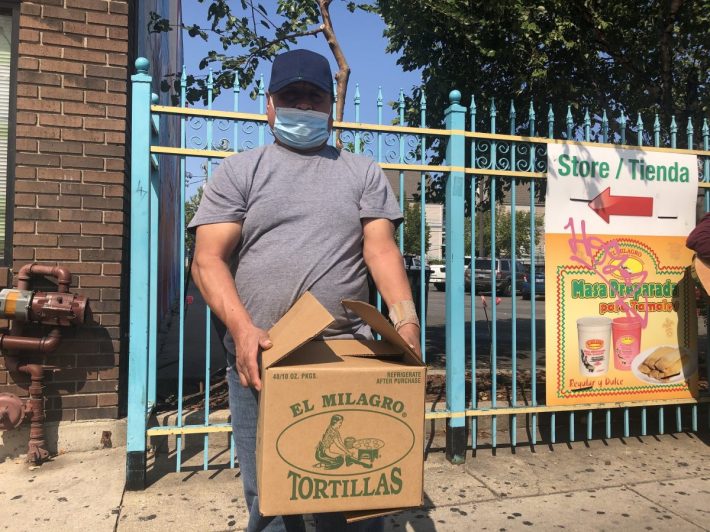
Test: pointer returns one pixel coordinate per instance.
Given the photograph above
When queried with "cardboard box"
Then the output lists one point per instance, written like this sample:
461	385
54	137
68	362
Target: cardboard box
341	422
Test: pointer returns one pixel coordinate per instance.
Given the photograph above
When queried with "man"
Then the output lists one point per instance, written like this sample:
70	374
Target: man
699	241
299	215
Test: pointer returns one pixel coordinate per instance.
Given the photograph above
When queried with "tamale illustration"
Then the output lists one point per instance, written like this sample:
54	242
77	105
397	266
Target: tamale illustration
663	363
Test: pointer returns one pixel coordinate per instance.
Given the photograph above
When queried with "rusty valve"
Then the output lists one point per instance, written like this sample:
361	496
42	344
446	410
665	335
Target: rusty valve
12	411
23	305
49	308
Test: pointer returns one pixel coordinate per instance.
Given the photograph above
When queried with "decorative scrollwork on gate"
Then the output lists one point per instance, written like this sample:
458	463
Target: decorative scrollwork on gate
522	157
503	153
483	154
540	158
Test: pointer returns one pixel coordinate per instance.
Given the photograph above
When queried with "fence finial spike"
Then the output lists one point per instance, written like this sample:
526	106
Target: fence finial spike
422	99
690	124
379	95
639	122
569	113
210	79
472	107
142	65
550	113
357	93
674	126
401	96
183	76
531	111
494	111
656	123
604	117
622	119
154	99
705	129
454	97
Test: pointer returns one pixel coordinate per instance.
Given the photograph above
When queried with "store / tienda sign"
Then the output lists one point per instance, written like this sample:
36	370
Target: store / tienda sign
622	323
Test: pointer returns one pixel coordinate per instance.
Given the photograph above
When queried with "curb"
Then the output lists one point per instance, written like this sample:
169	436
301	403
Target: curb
64	437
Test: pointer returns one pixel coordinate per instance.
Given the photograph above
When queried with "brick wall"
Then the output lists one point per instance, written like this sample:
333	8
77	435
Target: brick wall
70	201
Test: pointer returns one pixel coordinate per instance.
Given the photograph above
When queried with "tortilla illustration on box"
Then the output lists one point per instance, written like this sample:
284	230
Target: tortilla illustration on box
333	451
664	364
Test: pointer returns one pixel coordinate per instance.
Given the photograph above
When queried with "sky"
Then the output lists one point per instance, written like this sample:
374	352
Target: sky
360	37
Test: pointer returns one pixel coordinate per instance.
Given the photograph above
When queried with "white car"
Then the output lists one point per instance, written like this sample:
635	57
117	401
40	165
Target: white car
438	273
438	276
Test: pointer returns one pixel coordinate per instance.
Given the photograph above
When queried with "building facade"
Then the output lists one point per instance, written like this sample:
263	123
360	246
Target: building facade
65	67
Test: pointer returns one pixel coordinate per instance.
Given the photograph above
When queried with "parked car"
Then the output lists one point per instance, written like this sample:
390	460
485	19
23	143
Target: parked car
503	275
438	276
438	273
525	288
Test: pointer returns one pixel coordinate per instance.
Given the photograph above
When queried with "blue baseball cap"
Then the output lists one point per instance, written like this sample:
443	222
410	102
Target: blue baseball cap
301	65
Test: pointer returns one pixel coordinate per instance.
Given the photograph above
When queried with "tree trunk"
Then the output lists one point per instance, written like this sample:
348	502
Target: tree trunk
343	74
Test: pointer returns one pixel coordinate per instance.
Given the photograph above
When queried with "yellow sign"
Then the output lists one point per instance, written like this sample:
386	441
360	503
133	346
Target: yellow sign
621	323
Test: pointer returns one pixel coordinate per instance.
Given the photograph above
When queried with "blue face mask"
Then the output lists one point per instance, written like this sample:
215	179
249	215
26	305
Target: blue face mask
299	129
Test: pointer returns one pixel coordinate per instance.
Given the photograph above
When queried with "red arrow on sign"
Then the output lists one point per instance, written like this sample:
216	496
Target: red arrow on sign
606	205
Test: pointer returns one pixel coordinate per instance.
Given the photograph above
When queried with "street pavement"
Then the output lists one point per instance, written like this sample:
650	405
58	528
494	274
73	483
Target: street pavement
650	483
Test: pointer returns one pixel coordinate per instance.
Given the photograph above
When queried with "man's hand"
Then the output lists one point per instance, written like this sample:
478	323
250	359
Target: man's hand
410	333
248	341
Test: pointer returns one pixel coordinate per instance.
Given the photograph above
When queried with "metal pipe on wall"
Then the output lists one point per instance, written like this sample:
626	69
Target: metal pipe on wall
61	274
51	308
36	450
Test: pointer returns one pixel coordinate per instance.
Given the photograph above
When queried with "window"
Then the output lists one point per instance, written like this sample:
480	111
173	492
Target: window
8	59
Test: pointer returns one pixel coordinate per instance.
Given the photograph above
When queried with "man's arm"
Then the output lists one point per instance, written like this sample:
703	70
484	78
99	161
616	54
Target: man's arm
214	245
385	263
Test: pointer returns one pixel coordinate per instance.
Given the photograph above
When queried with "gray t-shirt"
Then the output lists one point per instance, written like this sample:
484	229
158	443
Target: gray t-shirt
301	216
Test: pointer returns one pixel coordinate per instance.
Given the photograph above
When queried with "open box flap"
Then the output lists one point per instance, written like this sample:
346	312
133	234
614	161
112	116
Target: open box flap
305	320
380	324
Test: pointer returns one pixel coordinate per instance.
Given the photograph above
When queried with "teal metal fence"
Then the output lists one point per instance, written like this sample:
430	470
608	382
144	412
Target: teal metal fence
474	161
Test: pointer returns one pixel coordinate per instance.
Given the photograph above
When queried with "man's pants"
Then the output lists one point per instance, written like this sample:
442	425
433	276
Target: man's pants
244	408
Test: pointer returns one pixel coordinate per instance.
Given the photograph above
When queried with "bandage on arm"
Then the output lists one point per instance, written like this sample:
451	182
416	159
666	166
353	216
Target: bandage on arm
403	313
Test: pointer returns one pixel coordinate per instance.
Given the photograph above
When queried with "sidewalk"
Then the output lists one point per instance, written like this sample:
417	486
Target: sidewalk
645	483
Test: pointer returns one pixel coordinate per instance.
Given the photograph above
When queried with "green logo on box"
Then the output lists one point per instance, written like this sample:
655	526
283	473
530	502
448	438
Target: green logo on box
343	444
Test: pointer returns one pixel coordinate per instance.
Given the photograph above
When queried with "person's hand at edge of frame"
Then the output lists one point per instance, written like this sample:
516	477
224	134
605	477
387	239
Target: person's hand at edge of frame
248	342
410	333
